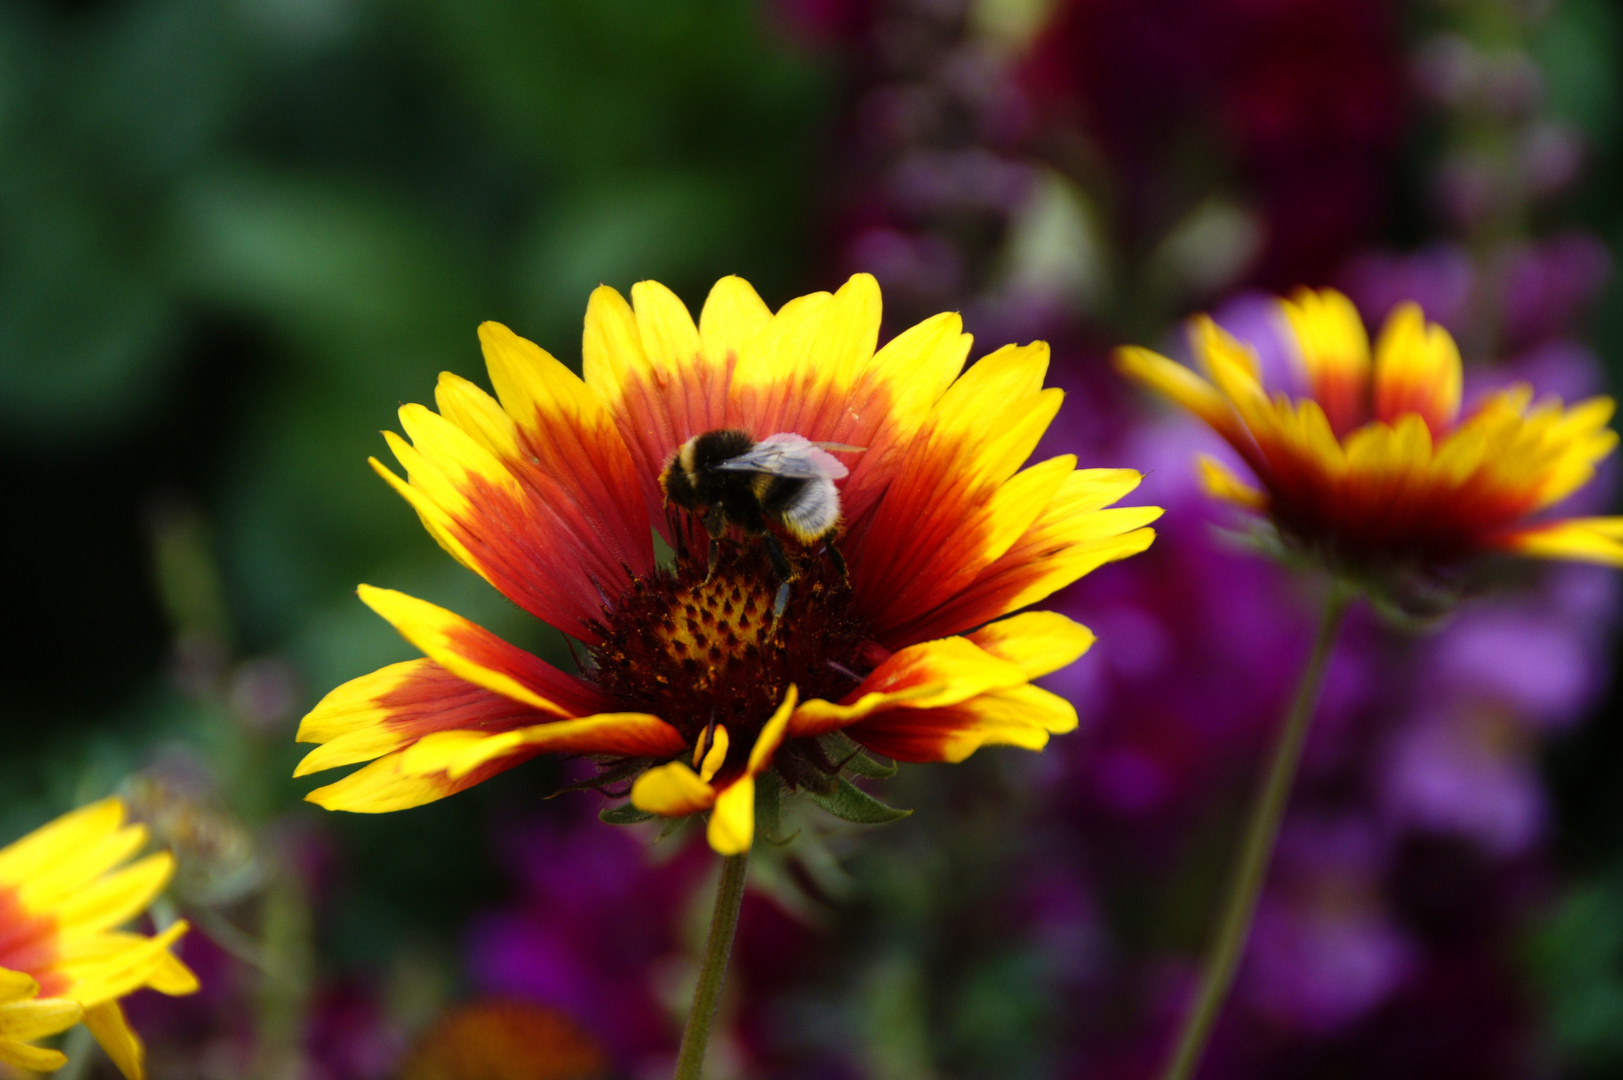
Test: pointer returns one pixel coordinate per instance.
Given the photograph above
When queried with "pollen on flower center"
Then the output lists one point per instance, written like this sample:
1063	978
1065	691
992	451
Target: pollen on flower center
715	625
695	651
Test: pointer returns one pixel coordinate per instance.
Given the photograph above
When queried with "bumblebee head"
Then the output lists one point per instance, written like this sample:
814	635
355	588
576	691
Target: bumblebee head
676	480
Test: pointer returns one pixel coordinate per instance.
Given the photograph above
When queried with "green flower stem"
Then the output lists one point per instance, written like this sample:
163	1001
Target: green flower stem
707	995
1262	831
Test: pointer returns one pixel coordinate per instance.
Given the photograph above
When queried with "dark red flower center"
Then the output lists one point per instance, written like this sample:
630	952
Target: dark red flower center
698	652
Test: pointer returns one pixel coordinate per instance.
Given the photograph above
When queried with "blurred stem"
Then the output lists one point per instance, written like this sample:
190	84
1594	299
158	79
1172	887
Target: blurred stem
1251	870
234	940
81	1050
707	995
284	989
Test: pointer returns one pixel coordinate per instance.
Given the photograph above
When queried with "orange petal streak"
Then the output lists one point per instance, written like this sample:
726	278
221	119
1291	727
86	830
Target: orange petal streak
1077	532
951	509
572	443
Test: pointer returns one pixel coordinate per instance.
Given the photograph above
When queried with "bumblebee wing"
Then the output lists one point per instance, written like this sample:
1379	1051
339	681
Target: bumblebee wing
788	455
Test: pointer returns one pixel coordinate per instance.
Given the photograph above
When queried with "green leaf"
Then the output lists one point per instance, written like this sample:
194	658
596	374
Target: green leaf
851	803
863	765
768	811
624	814
848	752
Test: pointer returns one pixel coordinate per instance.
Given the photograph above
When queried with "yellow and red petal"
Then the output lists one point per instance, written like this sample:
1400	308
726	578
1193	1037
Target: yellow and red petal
929	674
1037	642
733	313
110	900
93	971
30	1018
571	439
538	515
951	499
800	373
71	869
1183	387
715	756
1334	351
483	496
1234	370
984	531
732	819
893	400
1579	439
1218	481
62	890
458	753
672	790
29	857
36	1018
480	657
393	707
34	1059
434	733
387	784
1304	462
942	700
114	1034
16	986
1075	534
1023	716
1595	539
164	972
1417	370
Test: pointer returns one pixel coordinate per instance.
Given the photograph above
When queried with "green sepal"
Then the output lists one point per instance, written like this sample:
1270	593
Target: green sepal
624	814
850	754
851	803
769	811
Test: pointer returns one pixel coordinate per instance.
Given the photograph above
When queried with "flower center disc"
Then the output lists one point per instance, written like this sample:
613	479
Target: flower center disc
694	651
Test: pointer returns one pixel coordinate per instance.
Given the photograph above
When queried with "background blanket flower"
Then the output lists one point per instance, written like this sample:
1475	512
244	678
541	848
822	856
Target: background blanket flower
1374	467
64	889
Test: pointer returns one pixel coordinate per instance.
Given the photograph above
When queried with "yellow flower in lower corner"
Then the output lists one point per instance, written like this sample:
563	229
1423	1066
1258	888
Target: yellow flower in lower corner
763	651
1374	468
64	889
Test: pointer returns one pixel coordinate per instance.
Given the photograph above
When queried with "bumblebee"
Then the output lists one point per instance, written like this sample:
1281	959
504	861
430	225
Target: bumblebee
784	479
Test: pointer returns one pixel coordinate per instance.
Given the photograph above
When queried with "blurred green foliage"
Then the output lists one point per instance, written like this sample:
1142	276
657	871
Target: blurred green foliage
250	230
351	187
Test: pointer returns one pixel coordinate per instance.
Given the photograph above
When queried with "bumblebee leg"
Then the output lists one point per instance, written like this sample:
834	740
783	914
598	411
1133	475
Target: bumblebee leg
838	560
780	604
780	561
715	526
786	574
